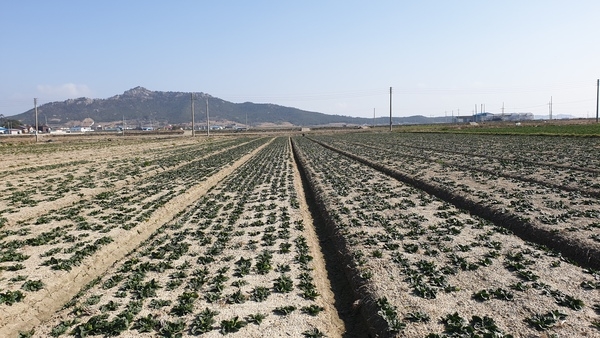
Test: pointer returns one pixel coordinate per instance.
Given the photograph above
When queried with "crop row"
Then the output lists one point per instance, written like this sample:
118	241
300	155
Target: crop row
422	267
576	173
561	152
566	219
237	260
51	182
36	251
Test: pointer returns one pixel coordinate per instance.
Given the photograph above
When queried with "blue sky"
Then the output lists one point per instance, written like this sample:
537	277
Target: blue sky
334	57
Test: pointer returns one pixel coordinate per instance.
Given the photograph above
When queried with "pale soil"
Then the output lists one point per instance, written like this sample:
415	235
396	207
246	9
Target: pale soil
509	194
574	214
92	213
272	326
61	286
389	280
41	154
24	213
335	326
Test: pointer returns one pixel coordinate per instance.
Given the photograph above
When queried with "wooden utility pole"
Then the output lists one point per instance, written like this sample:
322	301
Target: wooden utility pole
550	107
373	117
597	92
390	109
193	122
207	121
36	119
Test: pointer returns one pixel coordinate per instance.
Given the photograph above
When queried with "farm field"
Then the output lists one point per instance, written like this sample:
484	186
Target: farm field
345	235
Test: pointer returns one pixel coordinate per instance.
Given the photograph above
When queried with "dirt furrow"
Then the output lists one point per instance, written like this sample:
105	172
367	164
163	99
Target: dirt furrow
336	325
62	286
27	213
347	289
583	254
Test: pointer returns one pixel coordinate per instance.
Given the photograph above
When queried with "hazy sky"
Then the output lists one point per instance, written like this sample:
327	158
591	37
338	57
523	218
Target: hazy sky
334	57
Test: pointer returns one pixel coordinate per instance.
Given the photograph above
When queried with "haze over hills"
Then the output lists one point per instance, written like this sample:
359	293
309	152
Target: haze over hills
160	108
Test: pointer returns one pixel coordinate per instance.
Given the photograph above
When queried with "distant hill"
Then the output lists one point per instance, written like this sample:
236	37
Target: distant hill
140	106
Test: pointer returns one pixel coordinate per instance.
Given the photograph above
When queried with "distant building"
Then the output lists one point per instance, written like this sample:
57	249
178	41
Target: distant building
485	117
27	129
79	129
44	129
464	119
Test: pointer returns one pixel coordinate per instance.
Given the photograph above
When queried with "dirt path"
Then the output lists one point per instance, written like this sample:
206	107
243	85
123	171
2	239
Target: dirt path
336	326
40	306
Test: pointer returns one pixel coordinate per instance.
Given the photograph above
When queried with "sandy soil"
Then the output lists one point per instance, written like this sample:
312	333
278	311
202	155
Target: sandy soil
373	202
335	326
62	286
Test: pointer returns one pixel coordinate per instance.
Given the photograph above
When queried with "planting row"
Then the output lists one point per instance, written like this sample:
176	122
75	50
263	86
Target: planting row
237	262
422	267
566	152
564	218
578	172
33	253
31	186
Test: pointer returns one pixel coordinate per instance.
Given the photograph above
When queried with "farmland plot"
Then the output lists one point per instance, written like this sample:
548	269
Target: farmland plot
563	215
35	189
37	255
237	262
425	268
229	247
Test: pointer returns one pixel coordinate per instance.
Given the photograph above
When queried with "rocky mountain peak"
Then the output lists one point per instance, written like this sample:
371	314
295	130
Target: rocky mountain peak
137	91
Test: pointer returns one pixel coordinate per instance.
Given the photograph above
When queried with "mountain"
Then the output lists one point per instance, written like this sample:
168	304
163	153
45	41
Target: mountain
142	107
145	106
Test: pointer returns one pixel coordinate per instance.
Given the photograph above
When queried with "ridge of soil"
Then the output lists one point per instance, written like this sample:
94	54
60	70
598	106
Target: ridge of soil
585	255
27	213
337	326
40	306
354	310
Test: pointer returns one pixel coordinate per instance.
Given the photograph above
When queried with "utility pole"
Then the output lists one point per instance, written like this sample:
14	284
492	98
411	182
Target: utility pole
123	124
502	110
390	109
481	112
36	119
597	92
207	121
550	107
373	118
193	122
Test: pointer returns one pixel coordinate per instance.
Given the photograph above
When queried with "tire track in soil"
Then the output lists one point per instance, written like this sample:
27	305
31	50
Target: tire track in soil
344	296
41	305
